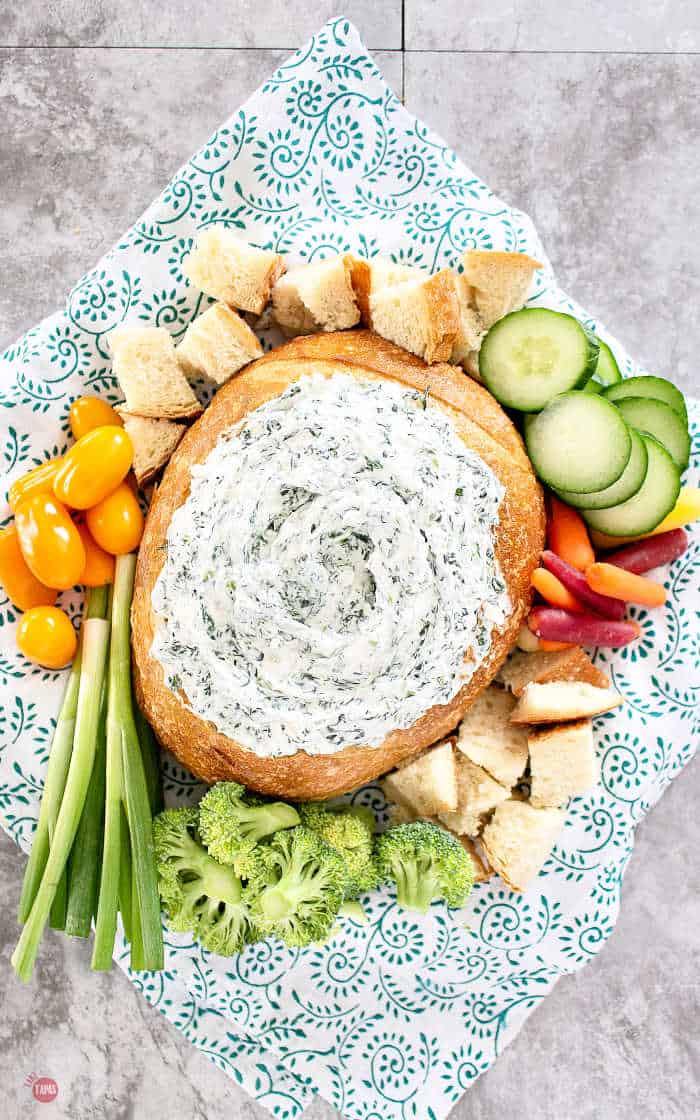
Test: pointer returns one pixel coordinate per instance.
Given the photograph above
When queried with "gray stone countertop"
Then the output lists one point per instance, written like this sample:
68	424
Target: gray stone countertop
587	116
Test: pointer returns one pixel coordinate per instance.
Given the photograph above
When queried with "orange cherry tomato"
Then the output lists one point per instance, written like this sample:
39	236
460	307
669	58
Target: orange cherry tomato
50	542
21	587
93	467
87	413
116	523
99	565
45	635
37	481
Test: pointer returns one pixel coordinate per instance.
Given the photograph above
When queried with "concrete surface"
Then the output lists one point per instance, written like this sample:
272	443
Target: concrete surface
584	116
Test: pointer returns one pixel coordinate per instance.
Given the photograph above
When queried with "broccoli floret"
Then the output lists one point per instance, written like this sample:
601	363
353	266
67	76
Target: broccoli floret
297	888
199	894
426	863
350	830
232	822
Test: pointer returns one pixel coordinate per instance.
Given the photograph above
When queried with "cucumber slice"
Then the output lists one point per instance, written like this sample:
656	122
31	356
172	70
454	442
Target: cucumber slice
579	442
659	420
655	498
658	388
626	486
533	355
607	372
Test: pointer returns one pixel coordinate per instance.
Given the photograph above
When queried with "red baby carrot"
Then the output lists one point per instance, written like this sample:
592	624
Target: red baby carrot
556	625
651	553
568	536
607	579
553	590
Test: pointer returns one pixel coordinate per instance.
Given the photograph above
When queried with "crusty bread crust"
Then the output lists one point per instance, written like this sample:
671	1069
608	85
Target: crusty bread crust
483	426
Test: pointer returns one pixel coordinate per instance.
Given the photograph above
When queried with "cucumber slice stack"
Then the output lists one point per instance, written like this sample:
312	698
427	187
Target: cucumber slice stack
613	448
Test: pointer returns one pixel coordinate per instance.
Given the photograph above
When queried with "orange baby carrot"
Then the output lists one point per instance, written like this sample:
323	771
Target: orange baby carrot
608	579
568	535
552	647
553	590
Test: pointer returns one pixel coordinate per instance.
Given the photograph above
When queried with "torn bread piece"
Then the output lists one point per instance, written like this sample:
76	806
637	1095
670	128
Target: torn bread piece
146	366
563	763
316	297
518	840
542	667
500	281
229	269
562	700
471	327
489	739
217	344
420	315
477	794
372	276
154	442
426	785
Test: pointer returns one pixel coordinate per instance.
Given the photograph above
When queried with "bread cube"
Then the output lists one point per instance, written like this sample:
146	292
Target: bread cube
229	269
146	367
420	315
316	297
154	442
544	666
562	700
500	281
426	785
563	763
217	344
518	840
490	740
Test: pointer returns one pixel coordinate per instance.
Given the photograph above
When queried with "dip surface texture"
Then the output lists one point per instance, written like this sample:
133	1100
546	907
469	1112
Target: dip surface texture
331	575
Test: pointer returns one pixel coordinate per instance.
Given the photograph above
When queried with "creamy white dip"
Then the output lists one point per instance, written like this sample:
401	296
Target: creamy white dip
332	565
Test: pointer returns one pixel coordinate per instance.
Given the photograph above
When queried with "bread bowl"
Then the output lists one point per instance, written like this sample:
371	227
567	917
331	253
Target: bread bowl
357	360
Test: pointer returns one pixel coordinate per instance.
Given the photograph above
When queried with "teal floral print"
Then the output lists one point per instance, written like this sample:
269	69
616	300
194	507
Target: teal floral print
395	1017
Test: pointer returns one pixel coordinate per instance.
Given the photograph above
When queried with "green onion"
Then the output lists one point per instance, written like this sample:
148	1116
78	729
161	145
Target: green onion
151	760
125	883
108	900
138	809
92	669
86	855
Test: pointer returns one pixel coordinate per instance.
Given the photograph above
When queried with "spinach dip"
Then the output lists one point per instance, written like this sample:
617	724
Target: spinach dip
332	574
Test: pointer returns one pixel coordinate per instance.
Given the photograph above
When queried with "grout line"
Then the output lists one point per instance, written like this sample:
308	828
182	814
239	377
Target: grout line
373	50
403	52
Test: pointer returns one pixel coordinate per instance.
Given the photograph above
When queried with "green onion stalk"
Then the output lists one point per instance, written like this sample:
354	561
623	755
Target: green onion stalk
95	642
127	785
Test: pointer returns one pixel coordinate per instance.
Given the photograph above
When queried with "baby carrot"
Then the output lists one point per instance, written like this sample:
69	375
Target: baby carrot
608	579
553	590
568	536
553	647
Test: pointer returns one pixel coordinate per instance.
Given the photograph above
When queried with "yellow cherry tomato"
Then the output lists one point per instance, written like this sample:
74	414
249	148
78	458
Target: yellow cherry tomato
37	481
50	542
93	467
87	413
99	565
21	587
45	635
116	523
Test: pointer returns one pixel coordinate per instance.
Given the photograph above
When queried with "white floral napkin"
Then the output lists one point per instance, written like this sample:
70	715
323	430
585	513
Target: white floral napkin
394	1019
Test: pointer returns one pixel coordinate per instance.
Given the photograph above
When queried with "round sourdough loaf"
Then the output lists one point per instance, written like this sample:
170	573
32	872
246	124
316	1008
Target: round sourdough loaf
479	422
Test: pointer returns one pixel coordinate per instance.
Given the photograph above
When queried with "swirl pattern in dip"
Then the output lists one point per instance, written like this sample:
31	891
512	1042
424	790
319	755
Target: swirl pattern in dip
331	567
